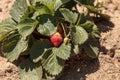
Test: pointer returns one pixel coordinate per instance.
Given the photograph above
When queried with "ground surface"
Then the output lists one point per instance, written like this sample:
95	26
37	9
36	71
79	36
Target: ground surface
104	68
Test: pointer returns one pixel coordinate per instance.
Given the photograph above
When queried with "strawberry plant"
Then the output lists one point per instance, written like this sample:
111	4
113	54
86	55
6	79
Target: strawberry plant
42	34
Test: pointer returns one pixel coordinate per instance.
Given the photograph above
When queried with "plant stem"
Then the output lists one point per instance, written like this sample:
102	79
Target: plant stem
28	3
63	29
78	21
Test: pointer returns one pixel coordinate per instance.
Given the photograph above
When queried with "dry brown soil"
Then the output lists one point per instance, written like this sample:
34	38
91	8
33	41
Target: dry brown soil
103	68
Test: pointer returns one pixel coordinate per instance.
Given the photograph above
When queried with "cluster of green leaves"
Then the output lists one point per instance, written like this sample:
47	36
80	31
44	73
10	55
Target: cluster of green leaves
32	23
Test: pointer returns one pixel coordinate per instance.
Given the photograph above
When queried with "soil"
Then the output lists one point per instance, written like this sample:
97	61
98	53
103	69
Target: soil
106	67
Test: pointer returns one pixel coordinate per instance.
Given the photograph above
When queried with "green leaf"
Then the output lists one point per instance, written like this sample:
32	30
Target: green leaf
92	9
44	7
69	5
15	45
88	26
83	18
39	48
91	47
47	26
41	9
47	29
91	28
6	27
30	71
69	15
10	42
18	9
26	27
63	51
51	63
51	6
45	1
104	16
49	76
86	2
59	3
79	35
76	49
95	31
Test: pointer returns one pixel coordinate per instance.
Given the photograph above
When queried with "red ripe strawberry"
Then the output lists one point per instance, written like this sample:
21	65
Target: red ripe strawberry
56	39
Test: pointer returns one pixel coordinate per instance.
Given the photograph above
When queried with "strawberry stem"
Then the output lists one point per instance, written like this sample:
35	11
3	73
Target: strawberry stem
63	29
79	16
28	3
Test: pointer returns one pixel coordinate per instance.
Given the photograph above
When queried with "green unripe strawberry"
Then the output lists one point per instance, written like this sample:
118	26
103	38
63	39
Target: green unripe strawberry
66	40
56	39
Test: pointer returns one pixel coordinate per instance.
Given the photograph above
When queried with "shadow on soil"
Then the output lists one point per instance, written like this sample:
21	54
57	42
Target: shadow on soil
105	26
79	69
